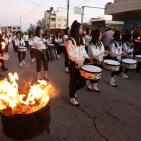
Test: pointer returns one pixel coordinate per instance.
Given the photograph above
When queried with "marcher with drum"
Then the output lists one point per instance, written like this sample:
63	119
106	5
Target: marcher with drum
77	56
21	49
96	53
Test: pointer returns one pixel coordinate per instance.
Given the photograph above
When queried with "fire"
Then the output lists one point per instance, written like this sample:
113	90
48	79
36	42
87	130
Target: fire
14	102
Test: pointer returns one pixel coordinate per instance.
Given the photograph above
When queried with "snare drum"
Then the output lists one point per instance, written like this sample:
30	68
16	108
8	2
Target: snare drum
111	65
129	63
91	72
22	49
138	58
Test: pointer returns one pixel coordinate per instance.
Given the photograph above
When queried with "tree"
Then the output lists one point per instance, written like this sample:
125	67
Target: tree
32	28
41	23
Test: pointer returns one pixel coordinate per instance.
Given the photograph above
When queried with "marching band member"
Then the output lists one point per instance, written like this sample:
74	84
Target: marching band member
41	58
19	42
25	37
77	56
127	49
2	48
126	43
96	53
31	47
116	54
57	42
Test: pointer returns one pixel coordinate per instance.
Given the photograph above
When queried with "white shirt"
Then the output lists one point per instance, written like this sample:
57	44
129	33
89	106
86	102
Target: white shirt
87	39
30	42
25	37
39	43
19	42
127	48
116	50
76	53
96	52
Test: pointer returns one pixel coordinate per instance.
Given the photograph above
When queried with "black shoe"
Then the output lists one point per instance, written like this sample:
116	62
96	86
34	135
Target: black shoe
4	69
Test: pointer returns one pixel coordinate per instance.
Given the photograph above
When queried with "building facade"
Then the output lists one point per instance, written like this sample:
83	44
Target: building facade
9	29
128	11
53	21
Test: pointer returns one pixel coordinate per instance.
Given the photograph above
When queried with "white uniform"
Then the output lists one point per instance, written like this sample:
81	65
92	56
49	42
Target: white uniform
87	39
39	43
19	43
116	50
127	49
30	42
96	51
76	54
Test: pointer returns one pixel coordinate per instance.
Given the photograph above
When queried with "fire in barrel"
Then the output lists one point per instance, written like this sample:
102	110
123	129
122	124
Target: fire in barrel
24	115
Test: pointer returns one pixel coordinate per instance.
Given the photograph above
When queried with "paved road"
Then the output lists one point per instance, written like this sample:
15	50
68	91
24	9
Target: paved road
112	115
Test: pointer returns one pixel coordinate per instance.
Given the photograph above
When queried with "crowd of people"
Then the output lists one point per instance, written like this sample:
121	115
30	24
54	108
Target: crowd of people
80	47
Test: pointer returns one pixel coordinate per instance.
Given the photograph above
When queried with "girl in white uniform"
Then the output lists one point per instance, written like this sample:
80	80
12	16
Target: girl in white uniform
19	42
116	54
96	53
77	56
31	47
41	58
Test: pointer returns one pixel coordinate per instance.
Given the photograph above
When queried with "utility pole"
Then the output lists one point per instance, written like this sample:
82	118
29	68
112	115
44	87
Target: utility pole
20	23
68	8
82	12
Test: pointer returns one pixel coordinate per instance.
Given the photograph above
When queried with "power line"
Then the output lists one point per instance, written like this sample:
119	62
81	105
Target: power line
34	8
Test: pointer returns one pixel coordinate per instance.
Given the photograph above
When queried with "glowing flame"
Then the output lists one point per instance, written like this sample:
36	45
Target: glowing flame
13	102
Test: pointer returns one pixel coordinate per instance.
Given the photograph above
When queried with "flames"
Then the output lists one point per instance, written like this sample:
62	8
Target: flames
14	102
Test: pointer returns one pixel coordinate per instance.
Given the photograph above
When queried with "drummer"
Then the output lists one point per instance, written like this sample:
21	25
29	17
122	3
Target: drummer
19	42
127	44
117	54
96	53
77	56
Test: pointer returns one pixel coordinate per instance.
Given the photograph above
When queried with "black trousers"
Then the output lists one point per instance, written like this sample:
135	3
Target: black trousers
76	81
58	48
66	58
32	53
21	56
41	59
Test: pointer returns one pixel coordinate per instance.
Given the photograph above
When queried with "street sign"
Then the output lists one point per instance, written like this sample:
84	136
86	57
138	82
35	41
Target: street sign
77	10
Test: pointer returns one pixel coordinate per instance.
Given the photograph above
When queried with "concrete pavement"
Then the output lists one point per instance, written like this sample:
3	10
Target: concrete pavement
112	115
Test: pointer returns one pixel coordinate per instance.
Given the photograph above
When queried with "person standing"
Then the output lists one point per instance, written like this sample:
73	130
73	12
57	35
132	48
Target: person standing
41	58
2	50
96	52
77	56
107	37
31	47
21	49
26	37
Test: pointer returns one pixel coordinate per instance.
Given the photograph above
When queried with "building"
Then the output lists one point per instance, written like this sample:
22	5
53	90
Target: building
9	29
53	21
101	23
128	11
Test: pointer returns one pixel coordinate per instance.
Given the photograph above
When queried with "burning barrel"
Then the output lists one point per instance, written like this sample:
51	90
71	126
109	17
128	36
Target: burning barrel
24	115
22	126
